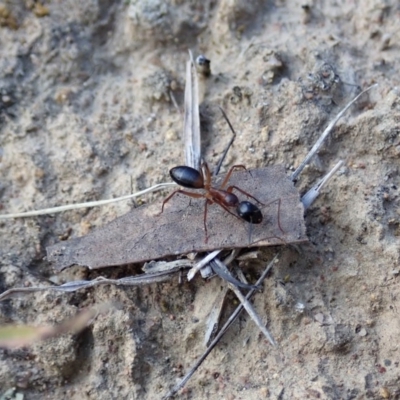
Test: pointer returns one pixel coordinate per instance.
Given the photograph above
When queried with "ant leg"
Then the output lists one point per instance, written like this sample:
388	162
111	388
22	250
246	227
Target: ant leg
230	188
279	216
227	209
228	175
279	212
205	220
250	231
218	167
189	194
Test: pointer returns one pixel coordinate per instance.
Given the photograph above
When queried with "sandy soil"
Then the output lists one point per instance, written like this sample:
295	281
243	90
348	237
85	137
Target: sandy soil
85	113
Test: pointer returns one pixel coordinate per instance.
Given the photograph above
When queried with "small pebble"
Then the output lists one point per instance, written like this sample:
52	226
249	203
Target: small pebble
384	393
319	318
171	135
203	65
363	332
40	10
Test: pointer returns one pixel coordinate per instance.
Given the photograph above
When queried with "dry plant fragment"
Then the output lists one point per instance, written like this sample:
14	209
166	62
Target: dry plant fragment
15	336
325	134
143	234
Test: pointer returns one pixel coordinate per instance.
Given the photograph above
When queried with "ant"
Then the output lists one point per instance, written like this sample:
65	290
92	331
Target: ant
193	179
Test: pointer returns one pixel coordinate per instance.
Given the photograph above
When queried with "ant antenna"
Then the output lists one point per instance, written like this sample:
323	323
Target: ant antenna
250	231
218	167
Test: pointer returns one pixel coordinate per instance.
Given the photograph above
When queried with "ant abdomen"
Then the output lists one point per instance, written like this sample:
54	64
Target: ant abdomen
249	212
187	177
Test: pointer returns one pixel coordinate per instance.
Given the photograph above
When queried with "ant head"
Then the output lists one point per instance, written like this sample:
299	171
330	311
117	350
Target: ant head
249	212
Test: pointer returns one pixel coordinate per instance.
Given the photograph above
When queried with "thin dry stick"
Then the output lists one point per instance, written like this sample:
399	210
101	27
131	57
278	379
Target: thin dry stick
174	102
227	276
324	135
215	314
313	193
67	207
213	319
246	304
192	118
141	280
202	263
221	333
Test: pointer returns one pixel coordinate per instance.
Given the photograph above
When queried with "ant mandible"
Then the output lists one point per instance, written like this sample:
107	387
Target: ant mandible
193	179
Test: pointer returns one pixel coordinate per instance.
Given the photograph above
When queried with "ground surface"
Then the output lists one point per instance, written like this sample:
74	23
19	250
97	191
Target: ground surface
85	113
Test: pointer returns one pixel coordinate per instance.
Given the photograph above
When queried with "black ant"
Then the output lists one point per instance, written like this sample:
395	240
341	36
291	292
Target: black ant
193	179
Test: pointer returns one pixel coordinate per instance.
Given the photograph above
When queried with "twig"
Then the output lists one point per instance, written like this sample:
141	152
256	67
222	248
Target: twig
214	316
324	135
174	102
141	280
67	207
202	263
192	118
245	303
313	193
220	269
